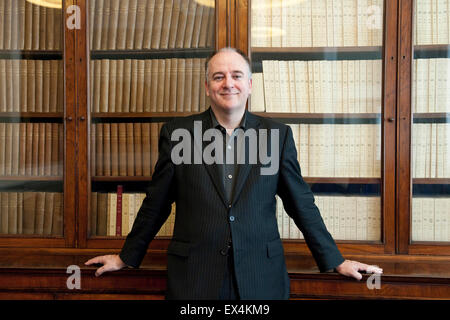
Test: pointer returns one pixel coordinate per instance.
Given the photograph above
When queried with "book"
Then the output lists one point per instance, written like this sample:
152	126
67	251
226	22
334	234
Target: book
140	24
131	24
157	24
166	24
92	222
119	211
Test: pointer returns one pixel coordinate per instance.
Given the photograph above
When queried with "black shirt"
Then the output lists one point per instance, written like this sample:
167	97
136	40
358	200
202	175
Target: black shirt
229	171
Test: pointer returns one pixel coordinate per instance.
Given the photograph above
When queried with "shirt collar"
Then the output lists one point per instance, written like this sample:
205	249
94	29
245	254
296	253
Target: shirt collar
216	123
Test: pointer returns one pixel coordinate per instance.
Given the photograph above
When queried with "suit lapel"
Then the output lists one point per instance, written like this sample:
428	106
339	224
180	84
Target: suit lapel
244	169
212	169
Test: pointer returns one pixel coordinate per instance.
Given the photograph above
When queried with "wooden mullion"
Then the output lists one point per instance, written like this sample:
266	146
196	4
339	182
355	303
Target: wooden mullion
404	125
69	129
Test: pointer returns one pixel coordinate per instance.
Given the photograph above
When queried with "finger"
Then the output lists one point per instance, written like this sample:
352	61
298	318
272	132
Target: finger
352	271
369	268
100	271
94	260
355	274
374	269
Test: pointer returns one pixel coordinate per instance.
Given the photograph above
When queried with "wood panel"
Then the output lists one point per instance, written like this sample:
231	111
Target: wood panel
151	284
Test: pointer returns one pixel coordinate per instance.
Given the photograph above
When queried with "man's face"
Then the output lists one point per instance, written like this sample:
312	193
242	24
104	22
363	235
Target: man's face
228	84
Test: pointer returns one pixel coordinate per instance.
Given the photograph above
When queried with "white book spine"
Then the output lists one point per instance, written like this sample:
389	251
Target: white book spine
416	219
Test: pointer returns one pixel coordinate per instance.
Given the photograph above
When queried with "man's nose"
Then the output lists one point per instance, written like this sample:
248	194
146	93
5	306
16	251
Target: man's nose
228	81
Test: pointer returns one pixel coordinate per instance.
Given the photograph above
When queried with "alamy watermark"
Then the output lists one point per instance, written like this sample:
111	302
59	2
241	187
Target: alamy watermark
73	20
74	280
374	281
374	17
252	147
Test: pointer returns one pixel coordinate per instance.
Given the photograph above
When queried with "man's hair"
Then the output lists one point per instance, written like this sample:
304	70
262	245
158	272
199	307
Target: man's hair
228	49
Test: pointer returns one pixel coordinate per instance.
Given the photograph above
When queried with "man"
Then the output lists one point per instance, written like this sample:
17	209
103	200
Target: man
226	243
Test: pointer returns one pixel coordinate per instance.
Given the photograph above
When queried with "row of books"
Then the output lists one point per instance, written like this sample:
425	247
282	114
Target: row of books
431	85
31	85
124	149
26	26
31	149
338	150
430	150
352	86
31	213
113	214
431	22
430	219
150	24
346	218
158	85
320	23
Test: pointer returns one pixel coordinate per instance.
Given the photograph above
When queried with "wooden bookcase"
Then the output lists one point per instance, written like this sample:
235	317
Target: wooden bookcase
34	266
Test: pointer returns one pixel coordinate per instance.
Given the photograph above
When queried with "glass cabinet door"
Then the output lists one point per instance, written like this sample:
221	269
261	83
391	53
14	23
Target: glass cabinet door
147	65
32	134
318	66
430	156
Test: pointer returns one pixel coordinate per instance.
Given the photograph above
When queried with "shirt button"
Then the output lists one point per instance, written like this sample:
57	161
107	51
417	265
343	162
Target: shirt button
231	218
230	176
229	147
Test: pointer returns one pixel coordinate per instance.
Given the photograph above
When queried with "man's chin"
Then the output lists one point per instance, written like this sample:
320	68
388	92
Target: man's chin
229	108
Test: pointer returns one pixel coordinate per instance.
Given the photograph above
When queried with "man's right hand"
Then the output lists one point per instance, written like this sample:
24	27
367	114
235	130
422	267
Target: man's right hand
110	263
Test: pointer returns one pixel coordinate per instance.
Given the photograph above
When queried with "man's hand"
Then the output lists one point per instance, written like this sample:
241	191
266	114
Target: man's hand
110	263
350	268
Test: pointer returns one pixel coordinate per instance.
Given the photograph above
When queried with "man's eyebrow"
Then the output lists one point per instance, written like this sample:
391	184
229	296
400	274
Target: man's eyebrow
234	71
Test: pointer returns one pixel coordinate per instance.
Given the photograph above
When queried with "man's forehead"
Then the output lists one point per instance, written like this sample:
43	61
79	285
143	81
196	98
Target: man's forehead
228	61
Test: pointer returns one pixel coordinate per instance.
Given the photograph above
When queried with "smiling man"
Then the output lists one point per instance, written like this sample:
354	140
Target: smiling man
226	243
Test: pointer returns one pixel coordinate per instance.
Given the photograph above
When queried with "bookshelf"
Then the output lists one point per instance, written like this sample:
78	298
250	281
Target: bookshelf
31	127
117	74
428	217
325	80
347	40
141	75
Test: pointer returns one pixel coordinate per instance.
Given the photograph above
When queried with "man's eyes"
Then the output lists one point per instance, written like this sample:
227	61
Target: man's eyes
235	76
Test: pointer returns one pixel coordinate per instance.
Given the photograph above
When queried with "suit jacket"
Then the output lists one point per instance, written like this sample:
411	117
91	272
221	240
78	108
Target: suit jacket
204	219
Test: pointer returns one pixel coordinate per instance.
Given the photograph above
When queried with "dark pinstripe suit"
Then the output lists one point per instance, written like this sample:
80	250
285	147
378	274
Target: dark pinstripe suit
204	219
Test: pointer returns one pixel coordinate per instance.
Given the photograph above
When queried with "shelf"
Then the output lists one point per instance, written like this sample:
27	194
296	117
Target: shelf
366	49
431	181
141	116
337	180
153	116
311	115
436	117
15	115
343	180
417	117
152	53
31	54
431	51
121	178
31	178
316	53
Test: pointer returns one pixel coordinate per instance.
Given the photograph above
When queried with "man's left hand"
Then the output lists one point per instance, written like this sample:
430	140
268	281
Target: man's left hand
350	268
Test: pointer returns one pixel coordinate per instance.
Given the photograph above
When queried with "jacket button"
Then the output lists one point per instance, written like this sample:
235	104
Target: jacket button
231	218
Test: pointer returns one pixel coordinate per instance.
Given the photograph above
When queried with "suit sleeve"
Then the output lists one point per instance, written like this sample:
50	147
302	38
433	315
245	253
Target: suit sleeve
298	201
155	208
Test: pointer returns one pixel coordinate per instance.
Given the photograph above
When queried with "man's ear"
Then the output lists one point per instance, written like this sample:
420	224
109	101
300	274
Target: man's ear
250	86
206	88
